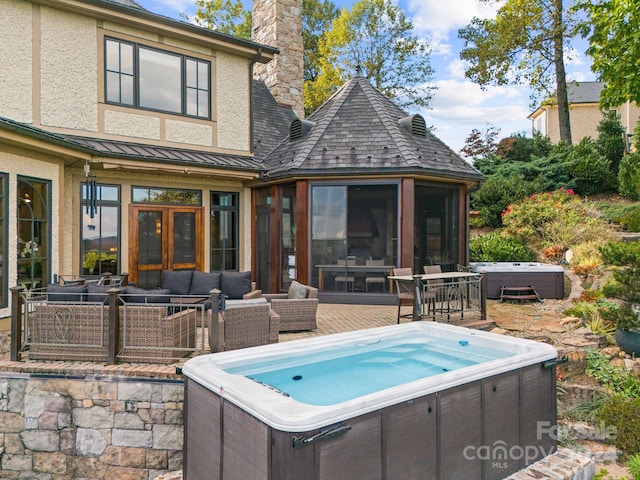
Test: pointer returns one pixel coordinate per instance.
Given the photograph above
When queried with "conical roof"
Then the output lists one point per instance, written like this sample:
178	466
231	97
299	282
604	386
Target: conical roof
360	131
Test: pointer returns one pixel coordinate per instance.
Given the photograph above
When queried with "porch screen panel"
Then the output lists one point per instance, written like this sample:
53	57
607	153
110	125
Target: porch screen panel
328	231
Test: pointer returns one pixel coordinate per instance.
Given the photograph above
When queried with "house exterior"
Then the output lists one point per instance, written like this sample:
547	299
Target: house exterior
125	143
358	188
584	113
131	142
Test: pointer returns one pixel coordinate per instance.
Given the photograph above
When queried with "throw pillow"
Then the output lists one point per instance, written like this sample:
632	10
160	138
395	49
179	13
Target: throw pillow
235	284
177	281
66	293
297	290
140	295
202	283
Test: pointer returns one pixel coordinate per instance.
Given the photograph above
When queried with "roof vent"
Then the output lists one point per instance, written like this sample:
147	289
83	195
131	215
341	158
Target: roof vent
299	128
415	125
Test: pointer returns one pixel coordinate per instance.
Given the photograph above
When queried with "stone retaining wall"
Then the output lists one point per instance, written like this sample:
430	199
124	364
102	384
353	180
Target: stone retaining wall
55	427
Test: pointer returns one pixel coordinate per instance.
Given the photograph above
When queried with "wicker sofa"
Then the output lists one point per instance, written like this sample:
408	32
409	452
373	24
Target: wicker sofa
80	332
243	323
58	331
295	313
153	334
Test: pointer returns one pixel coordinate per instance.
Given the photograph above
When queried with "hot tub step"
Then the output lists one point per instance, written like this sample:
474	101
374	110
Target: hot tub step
519	293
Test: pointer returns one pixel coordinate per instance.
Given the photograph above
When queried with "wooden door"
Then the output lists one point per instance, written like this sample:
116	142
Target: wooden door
164	238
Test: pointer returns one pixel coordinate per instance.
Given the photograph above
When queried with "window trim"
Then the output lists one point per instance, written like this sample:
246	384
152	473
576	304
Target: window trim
102	203
136	79
224	208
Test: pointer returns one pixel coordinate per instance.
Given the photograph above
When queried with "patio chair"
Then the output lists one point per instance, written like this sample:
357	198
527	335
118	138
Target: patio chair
297	310
374	278
243	324
406	295
447	294
346	278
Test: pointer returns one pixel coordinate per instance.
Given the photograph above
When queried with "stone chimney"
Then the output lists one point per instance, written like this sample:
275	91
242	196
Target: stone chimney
278	23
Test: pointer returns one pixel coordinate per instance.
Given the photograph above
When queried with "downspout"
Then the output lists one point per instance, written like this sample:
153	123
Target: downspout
253	203
251	64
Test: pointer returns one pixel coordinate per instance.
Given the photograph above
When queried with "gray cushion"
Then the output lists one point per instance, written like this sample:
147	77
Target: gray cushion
202	283
245	303
235	284
66	293
297	290
140	295
177	281
98	293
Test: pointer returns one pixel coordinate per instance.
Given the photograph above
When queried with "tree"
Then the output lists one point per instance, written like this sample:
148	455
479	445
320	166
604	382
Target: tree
524	45
224	16
613	30
316	21
377	37
481	144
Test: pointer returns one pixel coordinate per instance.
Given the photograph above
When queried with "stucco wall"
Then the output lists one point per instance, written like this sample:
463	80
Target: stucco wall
69	79
56	81
16	164
232	97
185	132
15	60
131	125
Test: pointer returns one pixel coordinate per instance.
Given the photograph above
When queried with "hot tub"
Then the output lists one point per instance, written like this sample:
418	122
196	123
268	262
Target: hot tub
548	280
485	414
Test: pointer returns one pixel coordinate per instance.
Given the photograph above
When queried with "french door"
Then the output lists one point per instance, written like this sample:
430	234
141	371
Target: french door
164	238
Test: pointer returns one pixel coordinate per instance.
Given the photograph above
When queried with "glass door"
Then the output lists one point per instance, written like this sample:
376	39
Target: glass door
163	238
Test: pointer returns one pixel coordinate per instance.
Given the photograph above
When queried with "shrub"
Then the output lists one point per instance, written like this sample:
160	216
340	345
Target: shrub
631	221
633	464
610	139
623	412
629	176
555	219
591	170
497	193
494	247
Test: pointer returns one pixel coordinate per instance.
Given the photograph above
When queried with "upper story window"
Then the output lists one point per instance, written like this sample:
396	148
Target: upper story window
143	77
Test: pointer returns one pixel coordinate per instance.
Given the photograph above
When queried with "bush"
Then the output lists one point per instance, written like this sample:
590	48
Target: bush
591	170
631	221
610	139
494	247
497	193
629	177
555	219
623	413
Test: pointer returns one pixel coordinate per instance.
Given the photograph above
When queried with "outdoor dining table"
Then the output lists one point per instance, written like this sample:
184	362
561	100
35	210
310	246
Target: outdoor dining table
364	269
461	280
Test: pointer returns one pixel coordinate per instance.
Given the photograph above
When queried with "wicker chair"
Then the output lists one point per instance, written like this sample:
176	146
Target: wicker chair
242	326
406	295
295	313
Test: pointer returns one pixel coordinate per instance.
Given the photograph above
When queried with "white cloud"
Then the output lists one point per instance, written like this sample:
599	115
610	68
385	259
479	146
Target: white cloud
442	15
455	92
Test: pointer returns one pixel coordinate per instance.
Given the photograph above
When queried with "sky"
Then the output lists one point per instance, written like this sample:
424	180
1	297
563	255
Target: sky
458	105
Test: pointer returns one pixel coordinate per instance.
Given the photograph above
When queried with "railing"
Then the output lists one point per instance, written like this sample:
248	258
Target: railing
446	295
108	327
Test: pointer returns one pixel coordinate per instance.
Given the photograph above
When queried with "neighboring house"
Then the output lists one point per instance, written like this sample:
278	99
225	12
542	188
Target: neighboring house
134	142
584	113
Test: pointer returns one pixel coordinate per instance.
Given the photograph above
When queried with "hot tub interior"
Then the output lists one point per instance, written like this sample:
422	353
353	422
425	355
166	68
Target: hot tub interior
453	425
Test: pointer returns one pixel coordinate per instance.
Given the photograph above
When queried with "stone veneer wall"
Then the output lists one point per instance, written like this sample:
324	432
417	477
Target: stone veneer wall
278	23
87	421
